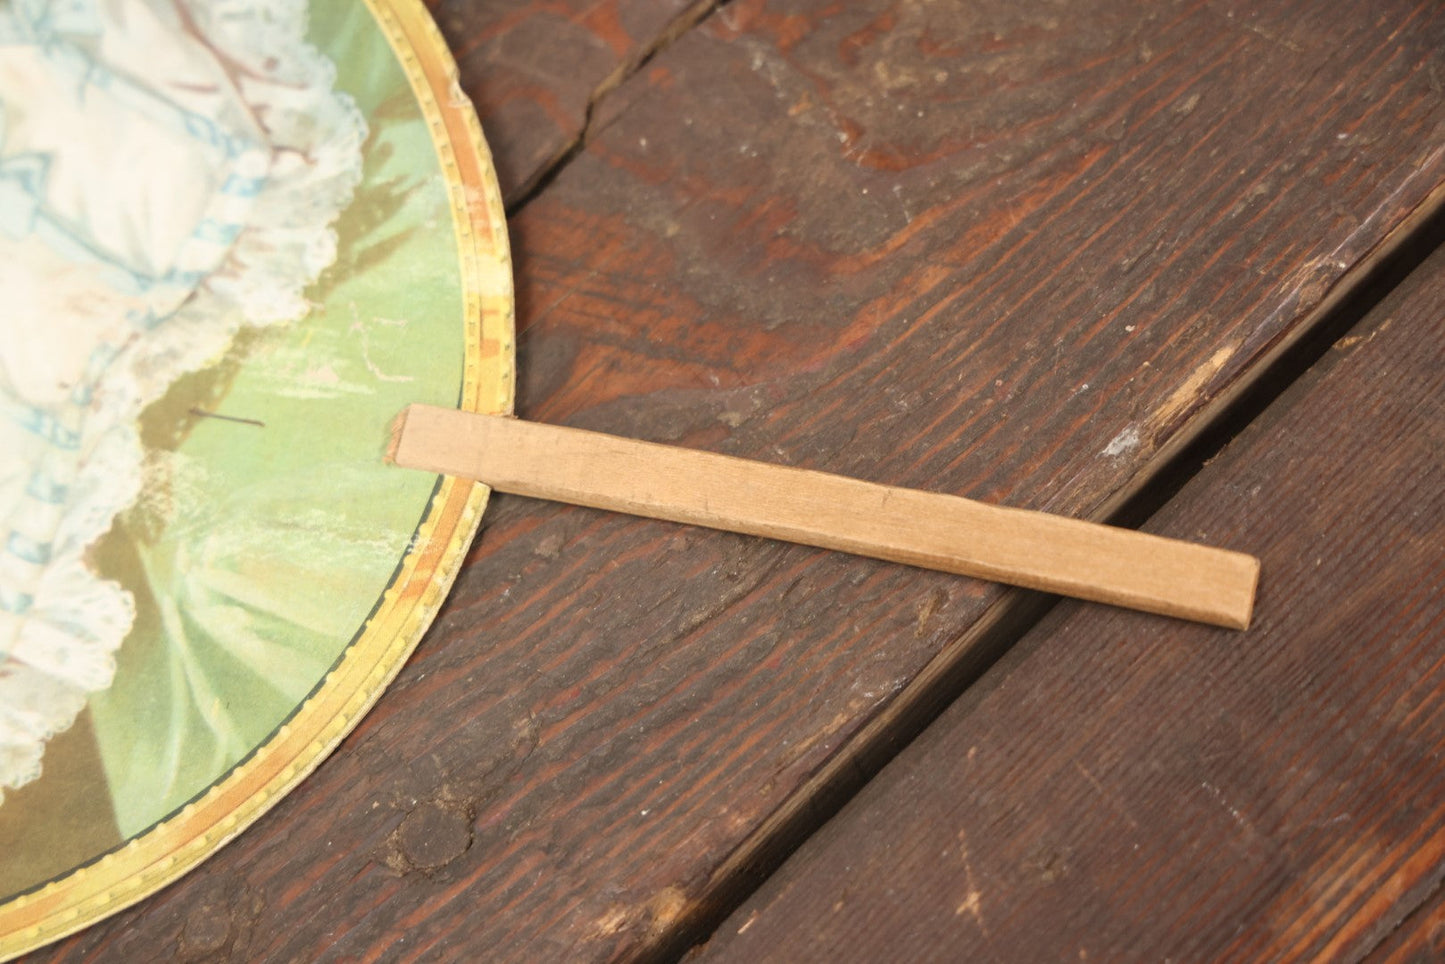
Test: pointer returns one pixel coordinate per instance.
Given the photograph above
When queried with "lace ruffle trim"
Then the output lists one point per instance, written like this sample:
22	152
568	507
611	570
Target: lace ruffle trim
65	642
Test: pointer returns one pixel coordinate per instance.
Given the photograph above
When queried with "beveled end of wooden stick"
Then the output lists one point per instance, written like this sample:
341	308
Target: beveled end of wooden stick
435	439
1247	609
393	442
447	441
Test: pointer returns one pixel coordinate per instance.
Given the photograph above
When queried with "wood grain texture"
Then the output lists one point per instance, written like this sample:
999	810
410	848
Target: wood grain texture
1125	790
932	530
1008	251
534	69
1419	938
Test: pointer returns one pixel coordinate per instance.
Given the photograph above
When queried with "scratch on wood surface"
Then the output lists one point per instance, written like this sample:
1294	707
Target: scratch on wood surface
926	610
611	922
1284	42
667	907
1123	443
1133	437
972	904
1113	799
1229	808
655	917
821	733
1190	390
1186	105
1350	341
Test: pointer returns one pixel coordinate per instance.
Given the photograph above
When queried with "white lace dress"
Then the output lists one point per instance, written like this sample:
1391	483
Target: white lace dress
169	171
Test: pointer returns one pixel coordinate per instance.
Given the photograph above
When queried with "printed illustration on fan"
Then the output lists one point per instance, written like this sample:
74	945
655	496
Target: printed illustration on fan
225	253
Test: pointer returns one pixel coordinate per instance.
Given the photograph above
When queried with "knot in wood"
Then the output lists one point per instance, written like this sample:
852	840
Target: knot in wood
431	836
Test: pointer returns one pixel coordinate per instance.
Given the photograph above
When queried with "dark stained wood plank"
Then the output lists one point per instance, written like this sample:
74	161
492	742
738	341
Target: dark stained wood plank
534	68
1125	789
1005	251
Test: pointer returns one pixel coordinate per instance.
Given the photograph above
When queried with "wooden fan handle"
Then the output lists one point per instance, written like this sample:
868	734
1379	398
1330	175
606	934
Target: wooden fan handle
944	532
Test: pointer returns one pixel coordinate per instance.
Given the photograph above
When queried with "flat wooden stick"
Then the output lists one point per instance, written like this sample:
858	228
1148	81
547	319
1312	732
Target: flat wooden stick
935	531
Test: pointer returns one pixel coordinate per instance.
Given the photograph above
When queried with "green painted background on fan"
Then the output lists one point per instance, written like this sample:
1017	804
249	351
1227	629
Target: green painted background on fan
262	548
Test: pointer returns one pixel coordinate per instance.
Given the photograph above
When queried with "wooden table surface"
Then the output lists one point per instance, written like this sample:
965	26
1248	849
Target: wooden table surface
1047	255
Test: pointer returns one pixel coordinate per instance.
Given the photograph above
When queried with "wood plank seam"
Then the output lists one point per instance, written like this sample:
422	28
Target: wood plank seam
961	663
1230	411
1356	892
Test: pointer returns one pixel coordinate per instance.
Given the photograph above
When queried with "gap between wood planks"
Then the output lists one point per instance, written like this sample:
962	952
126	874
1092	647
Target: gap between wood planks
547	173
960	664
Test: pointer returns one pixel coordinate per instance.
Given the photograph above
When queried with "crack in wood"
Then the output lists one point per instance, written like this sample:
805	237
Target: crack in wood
567	153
